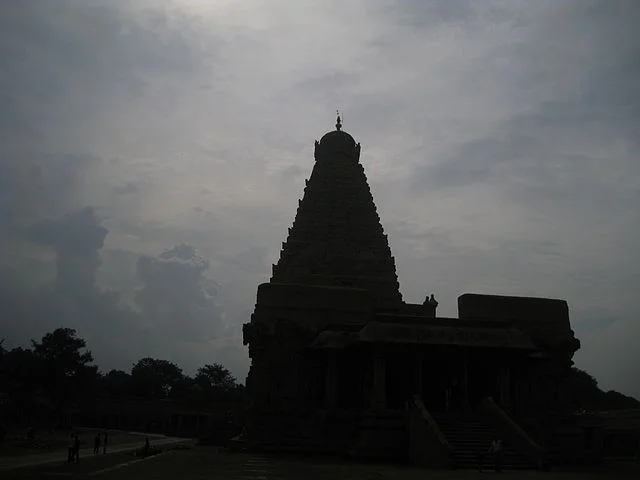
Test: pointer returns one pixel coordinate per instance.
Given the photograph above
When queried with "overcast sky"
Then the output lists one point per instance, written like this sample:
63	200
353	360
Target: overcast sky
152	156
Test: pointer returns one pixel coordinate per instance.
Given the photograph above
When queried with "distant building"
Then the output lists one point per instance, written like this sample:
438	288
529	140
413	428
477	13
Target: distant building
340	363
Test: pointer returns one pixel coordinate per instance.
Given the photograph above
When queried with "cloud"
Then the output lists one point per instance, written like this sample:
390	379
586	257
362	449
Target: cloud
499	139
35	185
127	188
175	302
177	298
77	240
72	297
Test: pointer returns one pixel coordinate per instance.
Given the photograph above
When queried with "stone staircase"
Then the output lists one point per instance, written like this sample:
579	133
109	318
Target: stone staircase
469	433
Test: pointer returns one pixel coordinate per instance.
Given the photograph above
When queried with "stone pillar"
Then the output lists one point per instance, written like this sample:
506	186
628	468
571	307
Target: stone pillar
419	361
293	386
504	386
379	391
527	394
331	379
466	405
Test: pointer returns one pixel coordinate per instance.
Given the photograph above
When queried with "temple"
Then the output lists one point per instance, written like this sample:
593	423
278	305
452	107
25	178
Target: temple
340	363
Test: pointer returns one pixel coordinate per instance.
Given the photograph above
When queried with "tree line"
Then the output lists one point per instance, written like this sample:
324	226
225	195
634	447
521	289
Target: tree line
585	394
58	373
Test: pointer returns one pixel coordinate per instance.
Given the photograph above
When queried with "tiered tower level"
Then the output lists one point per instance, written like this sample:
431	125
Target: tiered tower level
337	238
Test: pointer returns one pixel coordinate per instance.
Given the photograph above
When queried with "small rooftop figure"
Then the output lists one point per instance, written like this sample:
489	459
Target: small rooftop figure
338	122
433	301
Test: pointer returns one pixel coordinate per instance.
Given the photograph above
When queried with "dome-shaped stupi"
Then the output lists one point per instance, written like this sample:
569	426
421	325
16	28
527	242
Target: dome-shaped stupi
337	141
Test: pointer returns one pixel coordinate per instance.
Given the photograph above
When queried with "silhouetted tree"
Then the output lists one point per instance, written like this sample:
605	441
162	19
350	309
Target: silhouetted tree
64	349
58	373
584	393
217	383
117	383
613	400
215	376
156	378
69	376
581	377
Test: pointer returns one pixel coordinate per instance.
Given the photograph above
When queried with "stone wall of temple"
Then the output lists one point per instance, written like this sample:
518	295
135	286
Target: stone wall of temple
544	320
286	378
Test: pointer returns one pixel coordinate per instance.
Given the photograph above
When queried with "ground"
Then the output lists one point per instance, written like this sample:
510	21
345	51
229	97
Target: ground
16	444
192	462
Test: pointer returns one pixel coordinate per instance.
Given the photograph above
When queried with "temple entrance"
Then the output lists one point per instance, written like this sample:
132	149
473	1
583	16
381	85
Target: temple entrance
400	379
482	381
350	379
315	382
435	381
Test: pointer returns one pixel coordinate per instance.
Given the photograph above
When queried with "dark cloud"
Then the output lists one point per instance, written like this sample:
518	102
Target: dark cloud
62	67
97	42
578	72
425	14
252	260
528	152
176	302
127	188
293	172
499	137
34	185
77	240
119	271
436	240
72	299
177	296
532	166
320	84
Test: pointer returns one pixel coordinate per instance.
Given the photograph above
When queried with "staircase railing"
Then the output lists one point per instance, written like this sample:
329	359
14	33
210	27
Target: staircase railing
427	445
513	433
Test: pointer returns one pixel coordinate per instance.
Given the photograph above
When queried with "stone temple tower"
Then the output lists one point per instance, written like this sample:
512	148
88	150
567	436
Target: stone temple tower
341	364
337	238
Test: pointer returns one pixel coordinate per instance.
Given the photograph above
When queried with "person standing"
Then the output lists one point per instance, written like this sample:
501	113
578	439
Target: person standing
76	448
480	459
96	444
71	445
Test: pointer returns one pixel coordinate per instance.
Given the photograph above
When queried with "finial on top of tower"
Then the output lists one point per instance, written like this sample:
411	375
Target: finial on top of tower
338	122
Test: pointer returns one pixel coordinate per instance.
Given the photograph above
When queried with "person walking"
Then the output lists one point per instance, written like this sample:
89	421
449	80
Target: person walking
495	449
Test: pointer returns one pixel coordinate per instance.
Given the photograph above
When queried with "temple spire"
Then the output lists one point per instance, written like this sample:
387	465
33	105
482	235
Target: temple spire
337	239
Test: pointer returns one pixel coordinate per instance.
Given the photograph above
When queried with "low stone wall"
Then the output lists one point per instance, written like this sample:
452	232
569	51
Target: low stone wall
427	445
514	433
